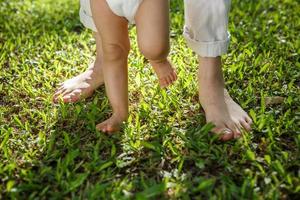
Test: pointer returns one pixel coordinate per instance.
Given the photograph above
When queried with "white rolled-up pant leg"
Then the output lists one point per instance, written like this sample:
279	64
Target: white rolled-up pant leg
206	26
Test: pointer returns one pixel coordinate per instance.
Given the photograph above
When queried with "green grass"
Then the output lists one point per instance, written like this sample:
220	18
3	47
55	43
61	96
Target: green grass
164	152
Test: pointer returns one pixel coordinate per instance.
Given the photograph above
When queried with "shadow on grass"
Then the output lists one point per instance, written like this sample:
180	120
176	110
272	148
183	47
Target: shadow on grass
80	161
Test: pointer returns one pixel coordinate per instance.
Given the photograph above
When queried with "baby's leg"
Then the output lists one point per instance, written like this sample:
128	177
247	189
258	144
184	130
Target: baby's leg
115	45
152	22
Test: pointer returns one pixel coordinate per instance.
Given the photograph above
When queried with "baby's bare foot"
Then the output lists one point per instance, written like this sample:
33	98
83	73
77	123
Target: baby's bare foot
111	125
165	73
80	86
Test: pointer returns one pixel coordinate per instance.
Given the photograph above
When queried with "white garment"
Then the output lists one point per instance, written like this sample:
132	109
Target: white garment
122	8
206	24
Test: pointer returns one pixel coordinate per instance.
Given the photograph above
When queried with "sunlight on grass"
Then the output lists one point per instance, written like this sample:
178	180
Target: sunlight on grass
165	150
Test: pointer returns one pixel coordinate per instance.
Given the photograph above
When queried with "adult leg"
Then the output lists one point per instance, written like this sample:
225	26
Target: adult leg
220	109
115	45
206	33
152	22
84	84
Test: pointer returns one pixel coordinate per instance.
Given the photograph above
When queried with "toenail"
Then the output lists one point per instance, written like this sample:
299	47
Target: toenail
236	136
227	132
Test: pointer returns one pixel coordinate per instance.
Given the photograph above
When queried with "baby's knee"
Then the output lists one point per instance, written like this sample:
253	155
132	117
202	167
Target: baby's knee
155	51
115	51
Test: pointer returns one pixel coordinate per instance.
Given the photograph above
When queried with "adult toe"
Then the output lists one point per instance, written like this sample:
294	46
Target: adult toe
246	125
58	93
67	98
235	128
225	133
248	120
75	95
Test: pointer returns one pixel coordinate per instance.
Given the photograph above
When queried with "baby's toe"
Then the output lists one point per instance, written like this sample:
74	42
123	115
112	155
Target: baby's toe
163	82
174	76
101	127
111	129
169	80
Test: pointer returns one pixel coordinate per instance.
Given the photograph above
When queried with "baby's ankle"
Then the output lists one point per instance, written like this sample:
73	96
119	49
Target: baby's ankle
159	62
120	116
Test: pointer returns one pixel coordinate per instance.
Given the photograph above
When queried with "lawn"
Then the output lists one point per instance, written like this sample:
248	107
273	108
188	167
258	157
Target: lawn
164	151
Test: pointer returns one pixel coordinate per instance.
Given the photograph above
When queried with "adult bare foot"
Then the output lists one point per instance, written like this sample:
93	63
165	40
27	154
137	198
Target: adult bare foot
227	116
80	86
111	125
165	73
220	109
84	84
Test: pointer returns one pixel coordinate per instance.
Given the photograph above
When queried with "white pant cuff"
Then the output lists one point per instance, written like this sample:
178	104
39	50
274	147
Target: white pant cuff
208	49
